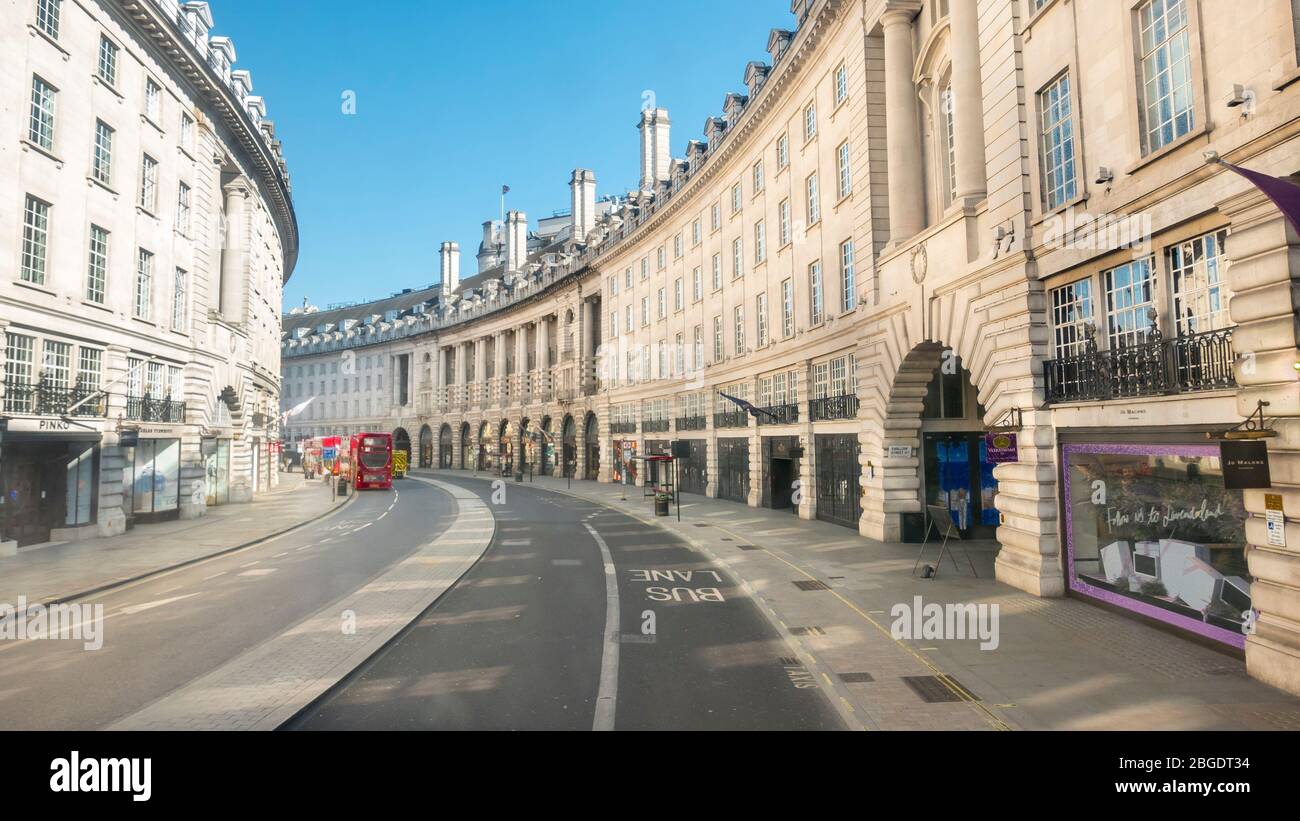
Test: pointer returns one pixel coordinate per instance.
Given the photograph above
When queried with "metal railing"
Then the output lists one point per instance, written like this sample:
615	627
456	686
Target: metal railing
829	408
692	422
731	419
147	409
787	414
655	426
622	427
1156	367
44	399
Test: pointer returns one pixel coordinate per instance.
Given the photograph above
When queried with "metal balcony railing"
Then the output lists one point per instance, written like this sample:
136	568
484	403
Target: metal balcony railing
655	426
45	399
147	409
1156	367
692	422
787	414
829	408
731	419
622	427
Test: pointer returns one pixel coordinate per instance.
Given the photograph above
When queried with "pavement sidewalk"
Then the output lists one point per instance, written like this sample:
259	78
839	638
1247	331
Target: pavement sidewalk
73	569
1058	664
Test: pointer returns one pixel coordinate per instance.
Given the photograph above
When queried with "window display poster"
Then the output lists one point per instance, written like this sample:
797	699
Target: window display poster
156	482
1154	529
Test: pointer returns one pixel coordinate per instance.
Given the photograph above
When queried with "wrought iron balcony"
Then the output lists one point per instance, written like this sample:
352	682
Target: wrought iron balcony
692	422
1156	367
44	399
780	414
731	419
147	409
655	426
829	408
622	427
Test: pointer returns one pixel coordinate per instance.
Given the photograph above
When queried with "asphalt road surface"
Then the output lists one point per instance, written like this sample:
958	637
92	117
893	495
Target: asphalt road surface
520	641
163	632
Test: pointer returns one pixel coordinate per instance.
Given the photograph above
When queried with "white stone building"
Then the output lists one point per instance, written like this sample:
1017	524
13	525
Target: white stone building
921	223
146	229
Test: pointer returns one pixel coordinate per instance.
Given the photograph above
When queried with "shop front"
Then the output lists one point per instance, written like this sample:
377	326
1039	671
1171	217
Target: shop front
781	456
216	470
733	470
151	478
693	467
625	453
1152	528
49	480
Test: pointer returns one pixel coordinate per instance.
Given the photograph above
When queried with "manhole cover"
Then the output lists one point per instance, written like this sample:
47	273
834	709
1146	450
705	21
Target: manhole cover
811	584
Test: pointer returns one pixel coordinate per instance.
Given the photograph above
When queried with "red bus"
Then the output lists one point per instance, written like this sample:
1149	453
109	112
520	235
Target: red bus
372	461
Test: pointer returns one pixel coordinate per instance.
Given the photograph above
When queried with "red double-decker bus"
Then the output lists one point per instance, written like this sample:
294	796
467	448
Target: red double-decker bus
372	461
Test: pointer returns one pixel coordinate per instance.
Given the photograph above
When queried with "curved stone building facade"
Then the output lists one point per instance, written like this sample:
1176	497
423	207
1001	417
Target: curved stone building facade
917	224
148	230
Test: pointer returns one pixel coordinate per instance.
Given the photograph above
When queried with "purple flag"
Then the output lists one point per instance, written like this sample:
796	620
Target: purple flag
1285	195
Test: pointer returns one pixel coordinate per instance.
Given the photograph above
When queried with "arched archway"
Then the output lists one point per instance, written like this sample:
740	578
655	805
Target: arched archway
546	448
487	451
591	440
505	448
464	445
525	448
568	446
444	447
426	447
402	441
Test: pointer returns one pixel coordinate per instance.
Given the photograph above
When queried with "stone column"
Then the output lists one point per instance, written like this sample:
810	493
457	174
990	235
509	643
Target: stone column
586	365
1264	249
112	457
903	138
968	103
543	360
234	255
499	369
808	464
461	353
521	363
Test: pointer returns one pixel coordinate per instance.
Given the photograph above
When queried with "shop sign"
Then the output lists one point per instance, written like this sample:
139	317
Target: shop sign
1276	519
128	439
48	425
1245	465
1001	448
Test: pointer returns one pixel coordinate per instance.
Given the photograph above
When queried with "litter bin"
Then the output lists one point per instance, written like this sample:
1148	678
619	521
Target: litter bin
343	486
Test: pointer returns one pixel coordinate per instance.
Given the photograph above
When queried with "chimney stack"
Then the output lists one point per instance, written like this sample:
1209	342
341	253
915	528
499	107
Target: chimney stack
582	193
656	148
489	251
516	240
449	254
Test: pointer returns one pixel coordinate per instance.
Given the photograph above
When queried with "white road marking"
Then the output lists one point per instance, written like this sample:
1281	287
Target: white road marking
516	542
278	555
607	693
363	527
567	562
262	571
250	564
213	576
132	609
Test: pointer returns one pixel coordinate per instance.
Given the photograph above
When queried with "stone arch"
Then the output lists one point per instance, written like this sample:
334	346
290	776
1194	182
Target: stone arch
487	452
444	447
568	446
590	447
426	446
546	448
895	363
402	441
465	447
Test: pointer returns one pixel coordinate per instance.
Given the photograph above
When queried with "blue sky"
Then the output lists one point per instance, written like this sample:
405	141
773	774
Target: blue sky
455	99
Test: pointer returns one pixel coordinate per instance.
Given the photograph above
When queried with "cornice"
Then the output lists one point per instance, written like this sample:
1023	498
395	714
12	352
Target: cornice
783	75
151	21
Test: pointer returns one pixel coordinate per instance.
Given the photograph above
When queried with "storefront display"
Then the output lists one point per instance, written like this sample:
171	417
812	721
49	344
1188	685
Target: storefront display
153	474
216	460
1152	529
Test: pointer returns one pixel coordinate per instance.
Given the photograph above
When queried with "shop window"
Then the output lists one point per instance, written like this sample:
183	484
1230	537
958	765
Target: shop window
1152	529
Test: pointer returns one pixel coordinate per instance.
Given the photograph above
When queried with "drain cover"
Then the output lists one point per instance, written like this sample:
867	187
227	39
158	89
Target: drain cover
932	690
811	584
856	678
789	661
747	547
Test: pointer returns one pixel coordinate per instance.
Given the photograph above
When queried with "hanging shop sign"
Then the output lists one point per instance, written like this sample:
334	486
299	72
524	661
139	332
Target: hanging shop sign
1245	465
1001	448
